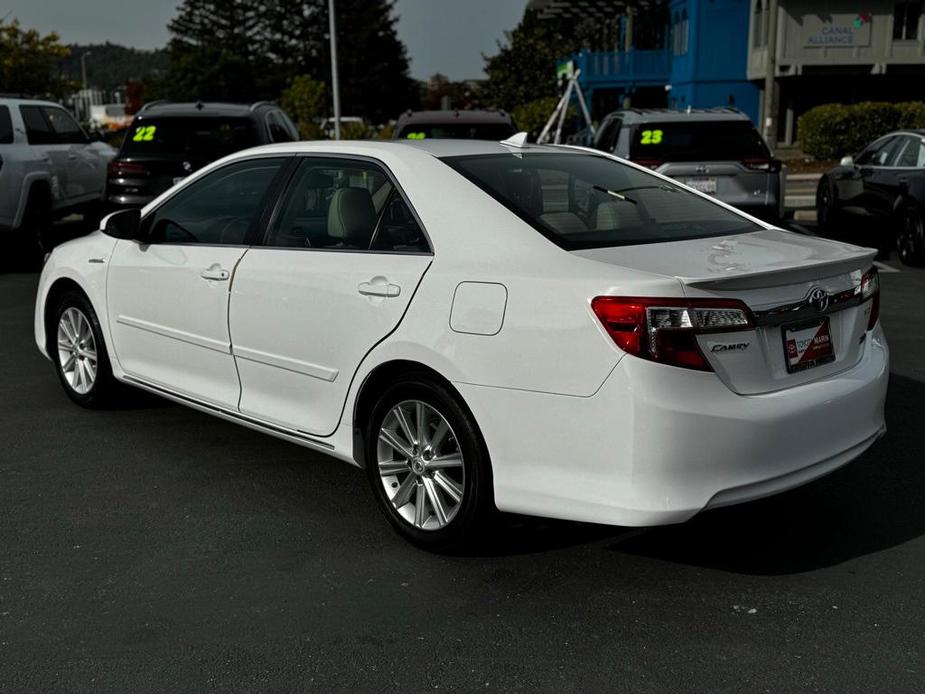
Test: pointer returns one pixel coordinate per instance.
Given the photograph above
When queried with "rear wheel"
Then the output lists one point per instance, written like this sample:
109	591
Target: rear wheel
427	465
910	238
77	348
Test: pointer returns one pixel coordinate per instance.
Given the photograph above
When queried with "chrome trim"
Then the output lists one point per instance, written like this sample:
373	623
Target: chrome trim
798	310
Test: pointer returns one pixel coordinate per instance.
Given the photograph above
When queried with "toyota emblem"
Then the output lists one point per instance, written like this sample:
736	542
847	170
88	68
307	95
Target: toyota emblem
818	299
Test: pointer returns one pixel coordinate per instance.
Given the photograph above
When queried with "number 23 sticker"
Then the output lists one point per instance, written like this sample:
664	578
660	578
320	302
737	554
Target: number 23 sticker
145	133
651	137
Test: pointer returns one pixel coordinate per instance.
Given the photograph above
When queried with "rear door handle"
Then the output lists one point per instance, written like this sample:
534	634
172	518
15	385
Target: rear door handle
379	286
215	272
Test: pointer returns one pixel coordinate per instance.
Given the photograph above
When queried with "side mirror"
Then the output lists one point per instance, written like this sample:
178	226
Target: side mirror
847	161
124	224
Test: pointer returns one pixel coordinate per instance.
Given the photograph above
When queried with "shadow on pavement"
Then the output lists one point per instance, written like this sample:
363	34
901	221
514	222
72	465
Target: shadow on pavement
872	504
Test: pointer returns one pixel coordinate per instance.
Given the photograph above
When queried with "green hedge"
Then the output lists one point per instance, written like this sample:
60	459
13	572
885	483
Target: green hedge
833	130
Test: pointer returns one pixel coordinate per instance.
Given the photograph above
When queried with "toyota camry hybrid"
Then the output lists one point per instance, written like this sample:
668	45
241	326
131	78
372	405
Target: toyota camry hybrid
483	326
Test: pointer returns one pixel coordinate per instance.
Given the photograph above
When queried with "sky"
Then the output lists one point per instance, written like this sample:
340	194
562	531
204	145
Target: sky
446	36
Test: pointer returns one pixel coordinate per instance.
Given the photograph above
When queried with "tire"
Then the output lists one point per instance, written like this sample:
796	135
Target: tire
77	348
910	238
441	497
827	214
34	232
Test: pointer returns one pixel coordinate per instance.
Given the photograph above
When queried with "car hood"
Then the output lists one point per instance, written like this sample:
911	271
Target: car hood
764	258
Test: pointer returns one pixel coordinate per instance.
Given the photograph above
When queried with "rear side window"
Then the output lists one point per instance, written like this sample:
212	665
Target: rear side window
581	201
277	128
607	138
456	131
697	141
204	136
66	129
6	126
38	129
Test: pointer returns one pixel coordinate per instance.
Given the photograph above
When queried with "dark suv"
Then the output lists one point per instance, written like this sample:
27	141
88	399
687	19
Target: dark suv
168	141
456	125
716	151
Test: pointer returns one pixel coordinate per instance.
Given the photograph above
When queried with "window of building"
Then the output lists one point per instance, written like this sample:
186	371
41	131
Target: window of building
758	25
906	20
684	31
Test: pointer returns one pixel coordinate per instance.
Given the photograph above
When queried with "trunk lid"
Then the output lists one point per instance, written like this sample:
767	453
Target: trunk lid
774	272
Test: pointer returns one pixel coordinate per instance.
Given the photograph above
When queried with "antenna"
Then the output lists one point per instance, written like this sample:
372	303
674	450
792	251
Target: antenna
518	140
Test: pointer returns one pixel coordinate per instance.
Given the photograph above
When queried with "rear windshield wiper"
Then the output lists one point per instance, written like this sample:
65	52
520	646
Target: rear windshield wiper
618	194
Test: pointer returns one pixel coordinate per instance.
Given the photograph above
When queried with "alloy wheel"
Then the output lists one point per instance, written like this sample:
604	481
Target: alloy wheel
911	238
77	350
421	465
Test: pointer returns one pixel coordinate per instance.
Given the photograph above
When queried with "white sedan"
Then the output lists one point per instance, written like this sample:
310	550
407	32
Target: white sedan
536	329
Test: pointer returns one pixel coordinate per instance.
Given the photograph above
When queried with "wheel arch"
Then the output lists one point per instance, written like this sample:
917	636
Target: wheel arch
59	288
375	383
33	184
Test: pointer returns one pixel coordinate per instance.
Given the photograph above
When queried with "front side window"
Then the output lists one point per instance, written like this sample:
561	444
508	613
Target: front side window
906	15
6	126
38	129
580	201
345	204
912	154
66	129
221	208
881	153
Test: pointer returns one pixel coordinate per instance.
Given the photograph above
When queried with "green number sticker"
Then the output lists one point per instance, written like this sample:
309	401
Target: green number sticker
415	136
144	133
651	137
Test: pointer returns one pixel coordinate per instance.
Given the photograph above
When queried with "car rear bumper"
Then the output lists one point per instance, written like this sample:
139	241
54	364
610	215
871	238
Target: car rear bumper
657	444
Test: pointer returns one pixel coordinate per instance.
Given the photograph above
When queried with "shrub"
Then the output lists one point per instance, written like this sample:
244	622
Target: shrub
833	130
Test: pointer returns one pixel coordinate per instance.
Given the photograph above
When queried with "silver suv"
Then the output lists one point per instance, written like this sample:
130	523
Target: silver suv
48	169
716	151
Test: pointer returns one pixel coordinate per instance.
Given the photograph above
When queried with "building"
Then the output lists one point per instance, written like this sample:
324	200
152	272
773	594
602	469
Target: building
667	53
837	52
709	53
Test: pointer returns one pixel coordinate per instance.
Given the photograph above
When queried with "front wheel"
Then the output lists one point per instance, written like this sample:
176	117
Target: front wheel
79	353
910	239
428	466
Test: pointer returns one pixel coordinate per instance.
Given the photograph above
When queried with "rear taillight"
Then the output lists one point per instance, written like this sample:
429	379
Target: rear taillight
665	330
762	164
124	169
870	289
651	163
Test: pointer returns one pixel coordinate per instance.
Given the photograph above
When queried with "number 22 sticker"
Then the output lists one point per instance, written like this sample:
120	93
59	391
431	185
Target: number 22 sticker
145	133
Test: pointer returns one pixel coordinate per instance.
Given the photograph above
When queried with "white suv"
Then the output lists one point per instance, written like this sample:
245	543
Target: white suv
48	168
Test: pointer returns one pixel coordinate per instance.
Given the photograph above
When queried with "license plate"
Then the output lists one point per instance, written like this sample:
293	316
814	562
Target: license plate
808	344
177	179
704	185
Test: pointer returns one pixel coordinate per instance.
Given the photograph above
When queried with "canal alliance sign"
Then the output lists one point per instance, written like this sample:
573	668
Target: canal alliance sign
836	30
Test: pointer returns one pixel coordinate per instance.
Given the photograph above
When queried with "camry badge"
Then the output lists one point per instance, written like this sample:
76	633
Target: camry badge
818	299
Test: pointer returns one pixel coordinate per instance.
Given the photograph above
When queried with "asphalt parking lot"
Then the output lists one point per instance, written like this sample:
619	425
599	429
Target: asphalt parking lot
155	548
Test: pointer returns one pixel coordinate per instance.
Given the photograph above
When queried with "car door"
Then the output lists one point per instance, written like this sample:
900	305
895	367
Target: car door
343	257
86	170
882	178
168	299
46	147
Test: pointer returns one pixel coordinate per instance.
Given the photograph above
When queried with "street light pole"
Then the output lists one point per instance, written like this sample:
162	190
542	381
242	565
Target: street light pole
770	77
83	77
335	85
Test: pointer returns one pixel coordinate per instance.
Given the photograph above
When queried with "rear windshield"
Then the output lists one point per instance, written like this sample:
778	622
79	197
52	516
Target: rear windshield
456	131
583	201
6	126
697	141
213	137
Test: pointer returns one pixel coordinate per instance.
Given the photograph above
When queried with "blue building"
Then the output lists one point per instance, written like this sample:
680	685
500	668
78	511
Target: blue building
665	53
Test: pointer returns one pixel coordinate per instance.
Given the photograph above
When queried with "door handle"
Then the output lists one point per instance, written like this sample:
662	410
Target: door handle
379	286
215	272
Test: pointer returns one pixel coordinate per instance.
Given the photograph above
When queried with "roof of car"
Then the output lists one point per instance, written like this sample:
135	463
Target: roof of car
199	108
16	99
470	116
668	115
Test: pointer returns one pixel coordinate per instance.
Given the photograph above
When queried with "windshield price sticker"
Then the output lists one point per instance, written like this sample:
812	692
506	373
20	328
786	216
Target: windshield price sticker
144	133
651	137
415	136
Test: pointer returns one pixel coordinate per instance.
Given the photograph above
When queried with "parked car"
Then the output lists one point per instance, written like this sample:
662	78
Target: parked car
455	125
48	168
542	330
168	141
882	192
716	151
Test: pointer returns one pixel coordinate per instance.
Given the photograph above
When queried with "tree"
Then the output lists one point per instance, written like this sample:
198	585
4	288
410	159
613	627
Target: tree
524	69
110	65
29	62
216	51
306	101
